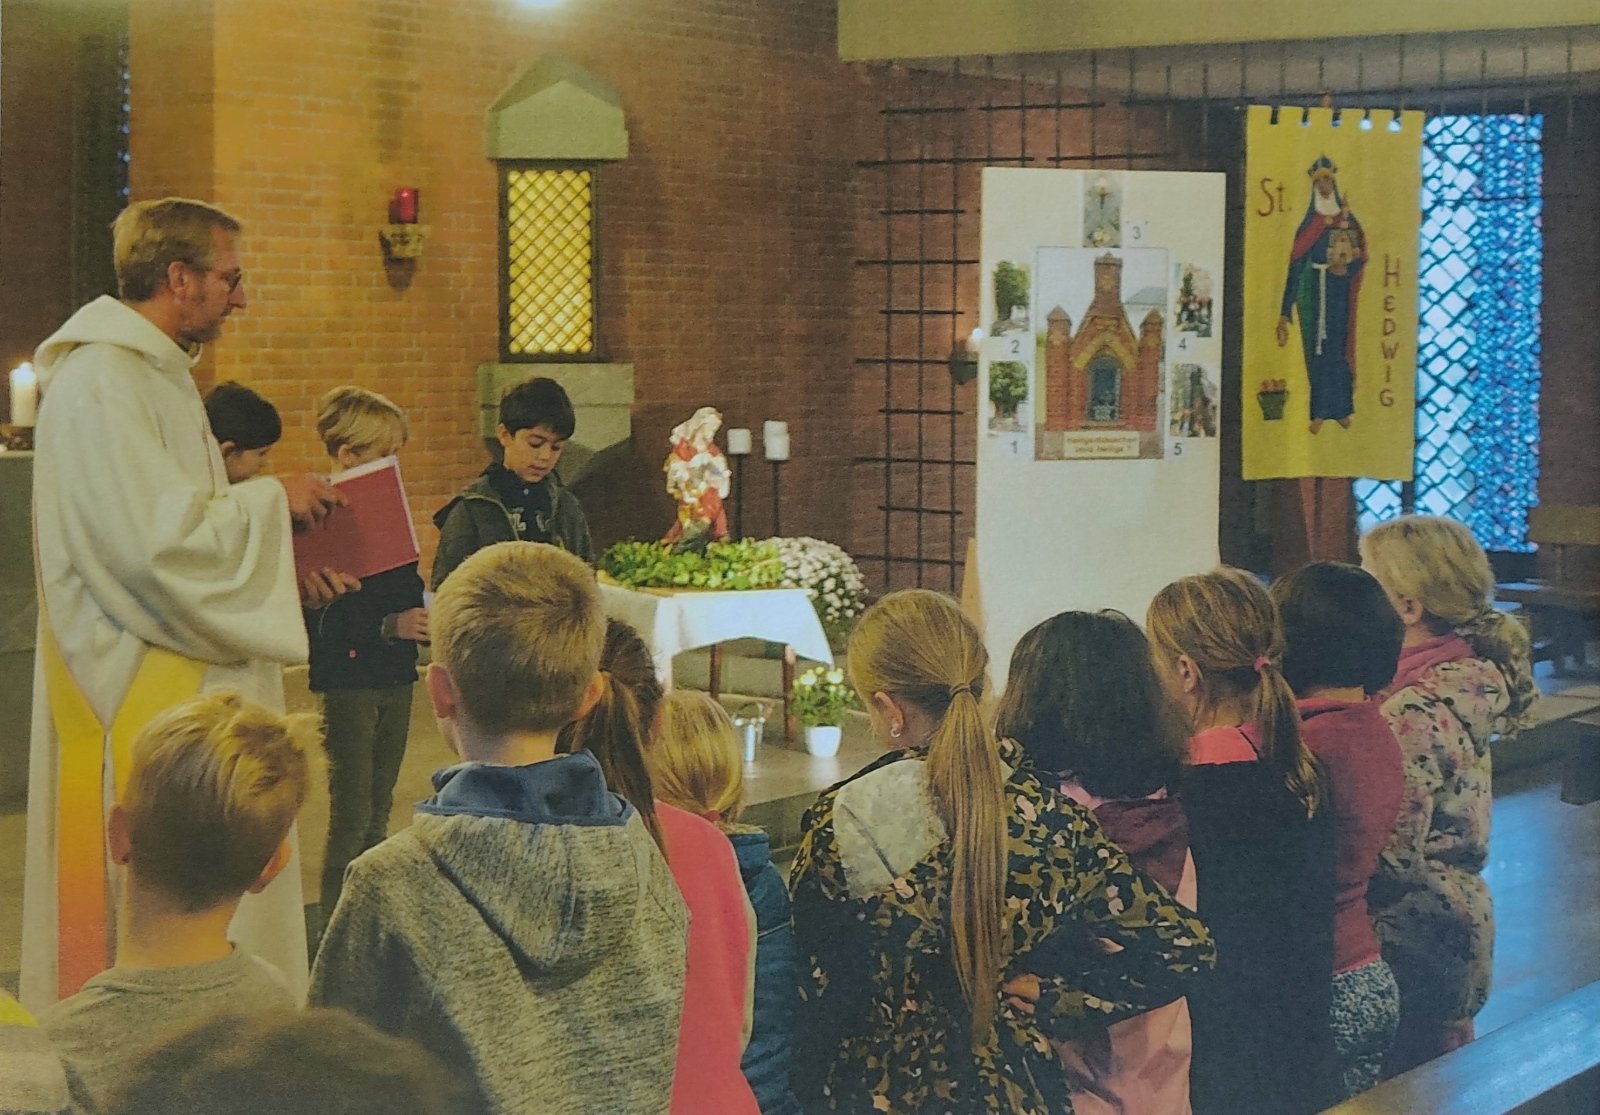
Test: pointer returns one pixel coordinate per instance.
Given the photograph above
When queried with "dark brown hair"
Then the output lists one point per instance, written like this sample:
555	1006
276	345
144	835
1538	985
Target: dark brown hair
615	730
1339	629
1084	699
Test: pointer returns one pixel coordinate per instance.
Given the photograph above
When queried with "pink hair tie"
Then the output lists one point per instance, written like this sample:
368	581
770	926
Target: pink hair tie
1262	663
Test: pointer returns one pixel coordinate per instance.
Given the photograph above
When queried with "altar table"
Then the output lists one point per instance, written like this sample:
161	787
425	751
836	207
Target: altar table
674	622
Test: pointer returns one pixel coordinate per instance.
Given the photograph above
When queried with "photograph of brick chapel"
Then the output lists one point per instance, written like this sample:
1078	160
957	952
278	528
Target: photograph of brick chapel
699	557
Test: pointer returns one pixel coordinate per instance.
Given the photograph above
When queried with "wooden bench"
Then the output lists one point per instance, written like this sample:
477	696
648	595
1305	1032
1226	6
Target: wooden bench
1561	605
1545	1064
1580	783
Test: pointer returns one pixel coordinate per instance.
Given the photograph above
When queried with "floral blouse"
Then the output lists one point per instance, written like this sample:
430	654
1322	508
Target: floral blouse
1429	902
883	1027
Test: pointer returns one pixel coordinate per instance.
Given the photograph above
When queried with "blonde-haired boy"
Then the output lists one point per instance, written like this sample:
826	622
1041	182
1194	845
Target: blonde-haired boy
363	655
213	788
525	926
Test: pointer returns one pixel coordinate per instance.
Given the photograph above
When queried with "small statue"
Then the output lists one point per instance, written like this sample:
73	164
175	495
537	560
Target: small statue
697	478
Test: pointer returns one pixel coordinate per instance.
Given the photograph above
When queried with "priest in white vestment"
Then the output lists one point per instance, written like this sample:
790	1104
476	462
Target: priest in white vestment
158	578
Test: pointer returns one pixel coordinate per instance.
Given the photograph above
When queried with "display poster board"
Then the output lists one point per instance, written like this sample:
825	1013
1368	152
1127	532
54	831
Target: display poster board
1332	214
1100	377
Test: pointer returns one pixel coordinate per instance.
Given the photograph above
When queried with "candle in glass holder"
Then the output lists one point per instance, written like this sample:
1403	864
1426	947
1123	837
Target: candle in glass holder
403	206
739	443
24	395
775	440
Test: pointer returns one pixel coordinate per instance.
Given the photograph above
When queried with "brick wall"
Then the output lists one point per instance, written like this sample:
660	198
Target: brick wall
725	236
38	50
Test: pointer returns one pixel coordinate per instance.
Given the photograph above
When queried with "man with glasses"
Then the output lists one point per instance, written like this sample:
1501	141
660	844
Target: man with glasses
158	579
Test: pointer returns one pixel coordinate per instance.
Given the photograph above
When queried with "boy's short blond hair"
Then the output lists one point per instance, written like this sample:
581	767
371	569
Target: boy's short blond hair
150	236
361	419
694	757
213	787
518	626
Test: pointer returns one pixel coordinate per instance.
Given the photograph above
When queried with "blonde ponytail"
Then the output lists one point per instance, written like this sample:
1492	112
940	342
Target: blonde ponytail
918	647
1228	625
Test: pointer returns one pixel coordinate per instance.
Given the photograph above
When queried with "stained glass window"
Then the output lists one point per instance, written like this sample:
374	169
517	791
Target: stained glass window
548	278
1477	455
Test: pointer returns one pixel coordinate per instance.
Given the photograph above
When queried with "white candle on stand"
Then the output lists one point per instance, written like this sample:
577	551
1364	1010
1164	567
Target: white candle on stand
775	440
974	342
739	442
24	395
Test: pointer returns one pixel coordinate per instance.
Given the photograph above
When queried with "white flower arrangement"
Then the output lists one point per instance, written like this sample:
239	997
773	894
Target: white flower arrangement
821	696
828	574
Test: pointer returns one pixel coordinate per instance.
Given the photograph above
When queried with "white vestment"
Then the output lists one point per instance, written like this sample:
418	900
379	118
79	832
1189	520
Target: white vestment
142	542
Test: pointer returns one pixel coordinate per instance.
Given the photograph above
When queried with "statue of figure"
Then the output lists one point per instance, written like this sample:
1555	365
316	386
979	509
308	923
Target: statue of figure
697	478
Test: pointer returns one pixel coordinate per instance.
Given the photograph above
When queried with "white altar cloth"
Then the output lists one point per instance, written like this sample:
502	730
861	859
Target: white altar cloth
683	621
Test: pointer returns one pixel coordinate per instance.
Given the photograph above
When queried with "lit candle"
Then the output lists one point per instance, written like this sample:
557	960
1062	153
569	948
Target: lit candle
739	444
403	206
974	341
24	395
775	440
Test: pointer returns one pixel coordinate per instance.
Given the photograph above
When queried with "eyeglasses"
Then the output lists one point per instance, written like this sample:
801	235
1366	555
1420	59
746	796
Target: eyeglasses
233	279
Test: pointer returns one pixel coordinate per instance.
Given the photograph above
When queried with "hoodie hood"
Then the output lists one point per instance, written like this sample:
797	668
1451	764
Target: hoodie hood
543	853
110	322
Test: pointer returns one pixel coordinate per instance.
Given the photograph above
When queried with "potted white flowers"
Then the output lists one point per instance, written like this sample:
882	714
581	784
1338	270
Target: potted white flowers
830	576
820	699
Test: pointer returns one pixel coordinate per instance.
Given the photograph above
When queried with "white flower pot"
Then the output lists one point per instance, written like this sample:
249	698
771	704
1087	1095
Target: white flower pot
823	739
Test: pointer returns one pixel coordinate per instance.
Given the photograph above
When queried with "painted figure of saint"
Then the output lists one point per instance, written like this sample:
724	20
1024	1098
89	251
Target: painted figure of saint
697	478
1324	282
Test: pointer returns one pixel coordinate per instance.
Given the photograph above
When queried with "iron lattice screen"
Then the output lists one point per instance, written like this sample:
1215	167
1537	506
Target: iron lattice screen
549	262
1477	454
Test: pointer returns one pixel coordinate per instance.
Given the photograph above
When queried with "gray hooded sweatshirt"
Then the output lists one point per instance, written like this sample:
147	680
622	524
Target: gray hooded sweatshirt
527	931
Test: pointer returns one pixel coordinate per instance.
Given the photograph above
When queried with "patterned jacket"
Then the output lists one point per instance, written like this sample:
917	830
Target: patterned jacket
882	1025
1429	902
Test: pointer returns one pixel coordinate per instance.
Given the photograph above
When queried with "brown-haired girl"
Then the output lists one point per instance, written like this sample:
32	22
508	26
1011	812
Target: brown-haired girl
1262	838
1086	704
718	992
1464	677
923	882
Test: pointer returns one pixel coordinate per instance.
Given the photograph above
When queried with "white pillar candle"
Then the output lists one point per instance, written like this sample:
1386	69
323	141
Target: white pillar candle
739	442
24	395
775	440
974	342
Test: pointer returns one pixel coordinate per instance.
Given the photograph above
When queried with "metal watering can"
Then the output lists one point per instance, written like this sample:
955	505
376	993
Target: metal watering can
751	722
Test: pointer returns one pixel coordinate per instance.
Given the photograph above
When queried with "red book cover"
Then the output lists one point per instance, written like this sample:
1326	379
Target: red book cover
373	534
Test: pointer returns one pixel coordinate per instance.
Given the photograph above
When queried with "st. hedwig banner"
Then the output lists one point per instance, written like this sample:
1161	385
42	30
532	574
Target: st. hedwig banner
1332	215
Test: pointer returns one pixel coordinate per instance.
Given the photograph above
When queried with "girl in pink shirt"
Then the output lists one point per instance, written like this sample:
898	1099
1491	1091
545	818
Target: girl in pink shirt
719	992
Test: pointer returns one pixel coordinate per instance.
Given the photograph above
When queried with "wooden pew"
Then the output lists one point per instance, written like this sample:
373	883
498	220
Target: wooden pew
1545	1064
1563	604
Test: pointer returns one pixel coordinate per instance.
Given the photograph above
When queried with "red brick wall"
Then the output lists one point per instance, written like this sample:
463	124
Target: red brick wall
725	236
38	51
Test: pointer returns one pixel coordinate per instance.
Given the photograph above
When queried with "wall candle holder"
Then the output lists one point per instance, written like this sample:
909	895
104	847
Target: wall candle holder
403	242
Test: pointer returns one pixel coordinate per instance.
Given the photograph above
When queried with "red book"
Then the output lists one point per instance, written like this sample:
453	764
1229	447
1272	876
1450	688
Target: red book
373	534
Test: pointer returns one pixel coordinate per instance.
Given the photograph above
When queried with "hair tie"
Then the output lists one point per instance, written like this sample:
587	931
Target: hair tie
1262	663
964	687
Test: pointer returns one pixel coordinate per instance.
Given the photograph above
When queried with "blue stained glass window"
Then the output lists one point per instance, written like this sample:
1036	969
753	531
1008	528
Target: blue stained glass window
1477	455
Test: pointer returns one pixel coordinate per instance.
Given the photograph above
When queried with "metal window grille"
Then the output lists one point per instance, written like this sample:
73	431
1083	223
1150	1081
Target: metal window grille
1477	454
548	263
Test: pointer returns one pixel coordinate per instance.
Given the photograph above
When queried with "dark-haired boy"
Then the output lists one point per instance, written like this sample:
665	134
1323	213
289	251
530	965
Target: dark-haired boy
246	427
519	498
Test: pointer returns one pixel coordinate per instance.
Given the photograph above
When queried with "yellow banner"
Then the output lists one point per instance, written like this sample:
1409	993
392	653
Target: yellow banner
1332	217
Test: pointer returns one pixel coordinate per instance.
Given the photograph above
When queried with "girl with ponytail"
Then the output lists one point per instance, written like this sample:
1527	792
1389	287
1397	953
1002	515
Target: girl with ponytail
1262	835
718	992
1465	677
924	882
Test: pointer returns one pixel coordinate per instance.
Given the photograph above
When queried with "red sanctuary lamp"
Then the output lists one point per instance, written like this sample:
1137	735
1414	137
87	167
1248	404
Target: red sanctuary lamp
403	206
